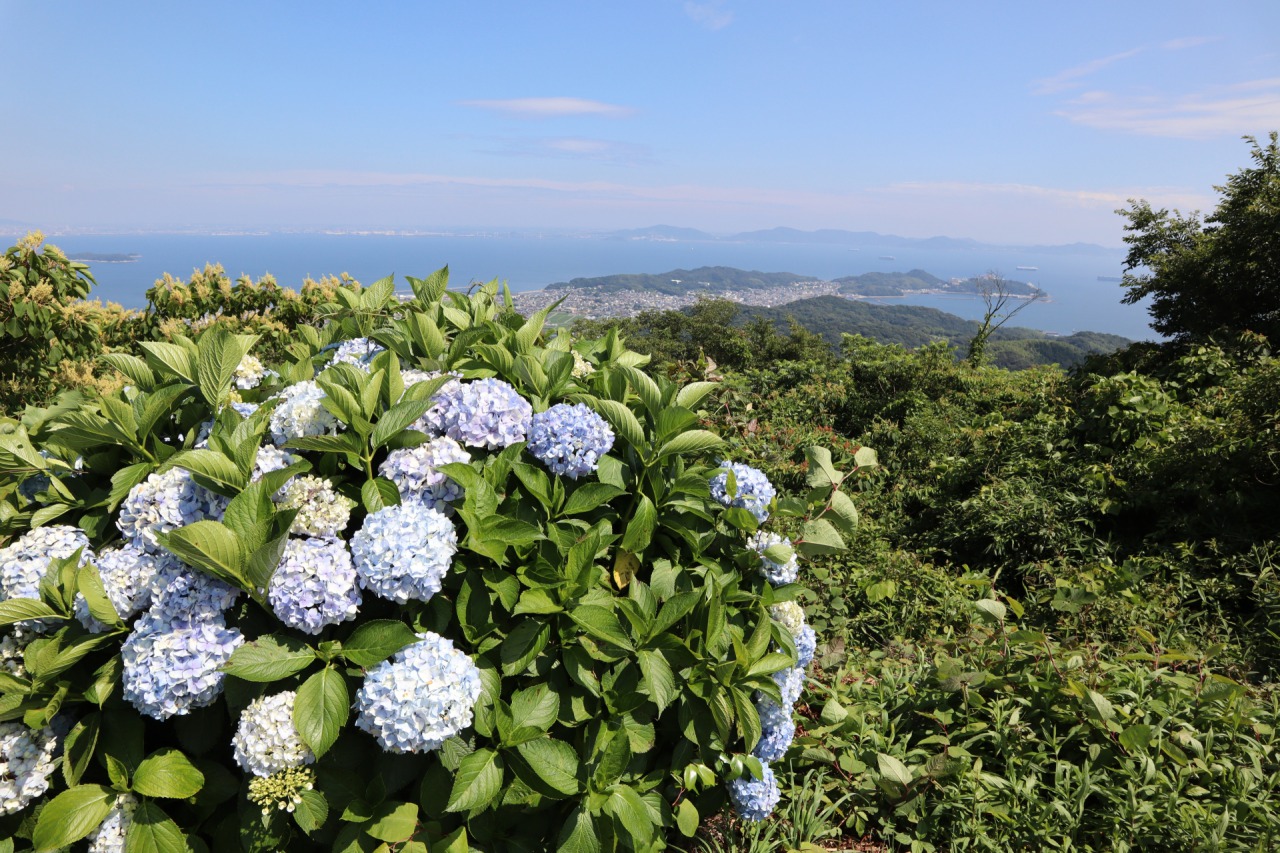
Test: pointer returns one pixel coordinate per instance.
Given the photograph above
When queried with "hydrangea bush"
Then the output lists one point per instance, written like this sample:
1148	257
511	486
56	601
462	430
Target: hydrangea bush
441	581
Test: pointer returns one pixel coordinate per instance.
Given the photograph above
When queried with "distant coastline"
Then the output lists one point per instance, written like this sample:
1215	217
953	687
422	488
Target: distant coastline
104	257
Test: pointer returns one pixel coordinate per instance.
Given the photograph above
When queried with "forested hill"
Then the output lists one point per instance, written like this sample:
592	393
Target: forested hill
912	326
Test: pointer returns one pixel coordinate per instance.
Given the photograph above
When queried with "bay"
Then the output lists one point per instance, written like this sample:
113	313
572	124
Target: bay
1078	301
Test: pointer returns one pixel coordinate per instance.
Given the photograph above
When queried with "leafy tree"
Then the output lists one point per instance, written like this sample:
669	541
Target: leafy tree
1222	273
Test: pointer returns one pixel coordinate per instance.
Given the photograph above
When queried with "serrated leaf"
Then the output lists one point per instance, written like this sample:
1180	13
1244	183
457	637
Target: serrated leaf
690	395
602	624
554	761
379	493
211	546
210	464
477	781
71	815
311	812
167	773
321	709
590	496
170	359
21	609
376	640
271	657
659	680
393	822
641	526
693	441
152	831
396	419
623	421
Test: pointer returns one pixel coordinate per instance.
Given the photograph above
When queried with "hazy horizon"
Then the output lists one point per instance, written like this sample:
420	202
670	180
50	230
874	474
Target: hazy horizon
1010	124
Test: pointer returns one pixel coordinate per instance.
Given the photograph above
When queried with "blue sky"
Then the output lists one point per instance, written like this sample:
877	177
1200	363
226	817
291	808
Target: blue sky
1009	122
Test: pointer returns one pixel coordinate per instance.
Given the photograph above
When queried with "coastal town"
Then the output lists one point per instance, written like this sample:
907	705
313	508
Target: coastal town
592	303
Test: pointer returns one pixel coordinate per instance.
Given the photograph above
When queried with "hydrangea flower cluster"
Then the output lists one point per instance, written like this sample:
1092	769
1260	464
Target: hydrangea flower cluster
26	762
358	352
12	647
171	668
314	585
109	835
569	439
775	573
301	413
244	409
24	562
249	373
754	798
752	490
271	459
321	511
403	552
267	741
128	574
487	413
415	472
790	615
165	502
777	730
281	790
421	697
581	367
181	595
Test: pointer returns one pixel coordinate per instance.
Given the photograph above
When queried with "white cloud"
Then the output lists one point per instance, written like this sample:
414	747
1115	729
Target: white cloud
1189	42
1248	107
1070	78
711	15
550	107
1102	199
571	147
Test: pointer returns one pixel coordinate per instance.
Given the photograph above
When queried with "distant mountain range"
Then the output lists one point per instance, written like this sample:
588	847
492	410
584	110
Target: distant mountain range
833	236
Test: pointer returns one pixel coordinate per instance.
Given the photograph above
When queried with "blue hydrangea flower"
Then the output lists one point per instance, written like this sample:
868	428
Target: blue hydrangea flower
806	646
777	730
358	352
270	459
266	740
420	698
181	595
24	562
791	684
752	490
403	552
26	763
314	585
775	573
244	409
754	799
128	574
165	502
414	471
301	413
486	413
569	440
169	669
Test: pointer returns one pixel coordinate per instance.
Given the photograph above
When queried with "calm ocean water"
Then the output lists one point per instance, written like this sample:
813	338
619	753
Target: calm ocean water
1079	301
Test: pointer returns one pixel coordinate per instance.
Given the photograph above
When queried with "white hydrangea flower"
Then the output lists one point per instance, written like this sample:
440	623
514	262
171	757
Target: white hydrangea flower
26	762
267	741
128	574
249	373
322	512
403	552
12	647
314	585
413	470
301	413
581	367
165	502
789	615
110	834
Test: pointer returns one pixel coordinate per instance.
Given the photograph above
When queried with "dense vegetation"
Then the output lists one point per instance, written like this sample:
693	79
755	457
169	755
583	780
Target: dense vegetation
1056	626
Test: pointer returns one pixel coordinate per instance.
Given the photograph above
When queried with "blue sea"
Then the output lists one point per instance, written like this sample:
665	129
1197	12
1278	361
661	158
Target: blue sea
1078	300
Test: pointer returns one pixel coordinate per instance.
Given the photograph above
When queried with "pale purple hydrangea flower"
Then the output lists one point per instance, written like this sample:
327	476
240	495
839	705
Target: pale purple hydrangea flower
806	646
164	502
171	668
790	683
420	698
270	459
569	439
301	413
752	490
181	595
486	413
403	552
24	561
314	585
415	472
266	740
754	799
774	572
244	409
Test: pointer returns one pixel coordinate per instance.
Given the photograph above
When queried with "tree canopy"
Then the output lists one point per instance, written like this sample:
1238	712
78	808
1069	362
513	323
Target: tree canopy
1219	274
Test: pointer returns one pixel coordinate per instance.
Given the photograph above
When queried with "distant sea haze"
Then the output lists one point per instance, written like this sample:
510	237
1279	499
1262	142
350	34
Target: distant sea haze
1078	300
